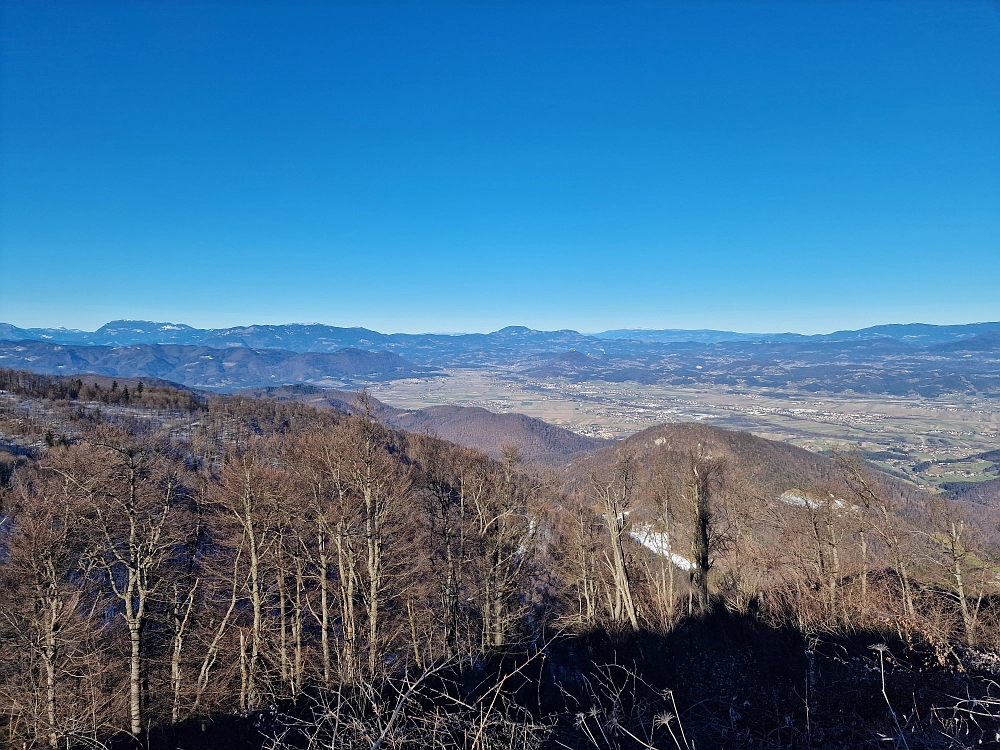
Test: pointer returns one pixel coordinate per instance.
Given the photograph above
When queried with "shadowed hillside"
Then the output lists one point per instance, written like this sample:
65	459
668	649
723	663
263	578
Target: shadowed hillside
983	493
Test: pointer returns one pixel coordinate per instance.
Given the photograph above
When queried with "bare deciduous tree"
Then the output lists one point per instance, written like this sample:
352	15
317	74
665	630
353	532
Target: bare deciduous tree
615	495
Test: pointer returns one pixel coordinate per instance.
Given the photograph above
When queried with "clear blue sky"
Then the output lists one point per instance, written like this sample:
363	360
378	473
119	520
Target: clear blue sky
419	166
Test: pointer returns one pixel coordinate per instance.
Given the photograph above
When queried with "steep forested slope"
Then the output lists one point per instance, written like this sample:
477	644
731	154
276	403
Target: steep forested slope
183	571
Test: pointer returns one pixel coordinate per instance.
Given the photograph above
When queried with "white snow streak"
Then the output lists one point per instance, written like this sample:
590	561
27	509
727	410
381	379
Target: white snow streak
657	542
804	500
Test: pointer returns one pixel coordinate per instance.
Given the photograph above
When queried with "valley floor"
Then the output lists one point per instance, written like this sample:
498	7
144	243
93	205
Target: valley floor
932	442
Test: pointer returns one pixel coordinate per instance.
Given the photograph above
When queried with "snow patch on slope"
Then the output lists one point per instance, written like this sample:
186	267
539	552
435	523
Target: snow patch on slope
657	542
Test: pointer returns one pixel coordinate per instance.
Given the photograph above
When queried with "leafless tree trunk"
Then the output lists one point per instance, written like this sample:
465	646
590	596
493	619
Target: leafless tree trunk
951	536
664	491
133	512
180	622
371	473
40	559
615	497
505	539
222	627
876	505
579	538
249	492
704	474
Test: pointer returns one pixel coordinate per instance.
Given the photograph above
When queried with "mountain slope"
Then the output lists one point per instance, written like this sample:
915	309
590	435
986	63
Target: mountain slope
920	334
470	426
479	428
205	367
898	360
320	337
984	342
981	493
763	469
777	466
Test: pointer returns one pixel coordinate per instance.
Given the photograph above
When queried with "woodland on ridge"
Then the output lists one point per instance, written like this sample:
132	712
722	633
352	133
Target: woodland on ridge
180	571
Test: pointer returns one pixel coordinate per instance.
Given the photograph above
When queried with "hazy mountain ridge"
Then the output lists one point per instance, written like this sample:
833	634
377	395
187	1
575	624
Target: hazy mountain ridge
921	334
320	337
680	335
893	359
310	337
205	367
880	366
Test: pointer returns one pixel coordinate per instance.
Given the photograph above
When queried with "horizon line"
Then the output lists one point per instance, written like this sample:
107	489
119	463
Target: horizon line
636	329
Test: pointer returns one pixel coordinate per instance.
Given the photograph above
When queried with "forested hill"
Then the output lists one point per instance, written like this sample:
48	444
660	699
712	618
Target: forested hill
771	466
470	426
179	571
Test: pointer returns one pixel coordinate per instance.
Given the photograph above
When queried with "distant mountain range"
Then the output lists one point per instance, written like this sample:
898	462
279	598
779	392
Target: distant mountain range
316	337
206	367
310	337
891	359
920	334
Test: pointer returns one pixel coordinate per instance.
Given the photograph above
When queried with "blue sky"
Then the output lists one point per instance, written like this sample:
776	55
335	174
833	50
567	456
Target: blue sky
461	167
